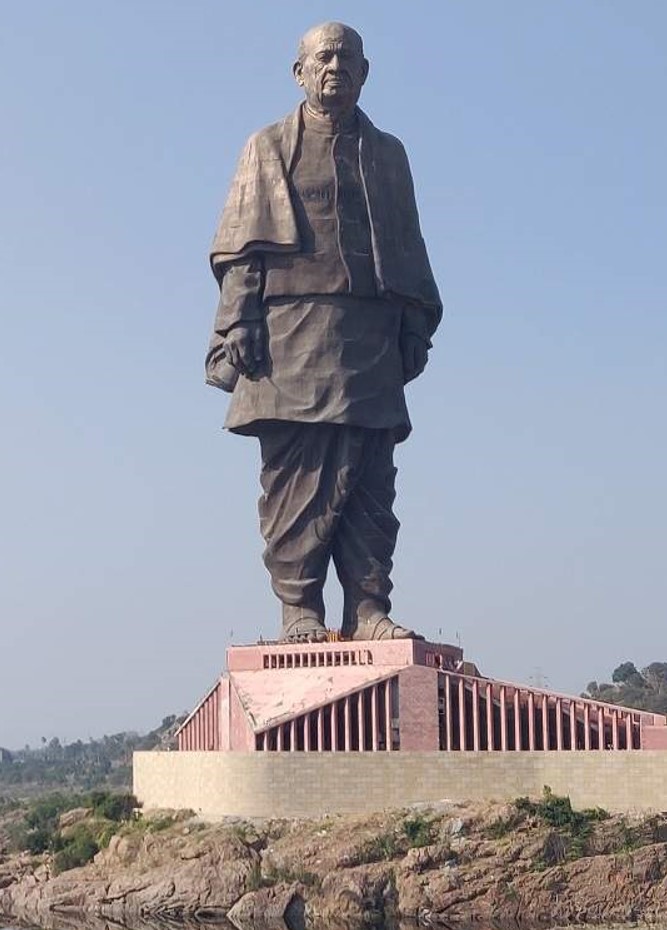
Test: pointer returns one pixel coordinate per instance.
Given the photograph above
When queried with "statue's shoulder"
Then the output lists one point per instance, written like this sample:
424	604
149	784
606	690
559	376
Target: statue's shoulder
271	138
384	142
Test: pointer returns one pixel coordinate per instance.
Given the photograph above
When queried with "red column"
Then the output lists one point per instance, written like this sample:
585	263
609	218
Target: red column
374	717
475	715
503	719
362	726
387	713
573	725
545	721
462	715
517	719
531	720
320	729
559	725
448	711
334	727
628	731
489	717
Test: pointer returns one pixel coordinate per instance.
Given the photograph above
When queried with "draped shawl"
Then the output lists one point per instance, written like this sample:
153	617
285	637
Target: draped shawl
259	217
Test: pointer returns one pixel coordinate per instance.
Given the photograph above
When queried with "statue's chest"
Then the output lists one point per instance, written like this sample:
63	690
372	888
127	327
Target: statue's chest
326	180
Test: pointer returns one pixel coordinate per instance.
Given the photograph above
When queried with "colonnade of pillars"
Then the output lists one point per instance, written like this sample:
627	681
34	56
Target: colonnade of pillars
363	722
475	714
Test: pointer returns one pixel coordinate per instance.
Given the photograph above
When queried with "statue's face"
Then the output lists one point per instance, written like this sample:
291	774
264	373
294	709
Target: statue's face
332	68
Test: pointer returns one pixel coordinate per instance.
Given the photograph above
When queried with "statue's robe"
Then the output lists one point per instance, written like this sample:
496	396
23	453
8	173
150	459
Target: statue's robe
269	271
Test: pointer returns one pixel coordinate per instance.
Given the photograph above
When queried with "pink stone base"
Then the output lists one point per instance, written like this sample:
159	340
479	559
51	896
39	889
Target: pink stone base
396	695
273	683
654	737
399	652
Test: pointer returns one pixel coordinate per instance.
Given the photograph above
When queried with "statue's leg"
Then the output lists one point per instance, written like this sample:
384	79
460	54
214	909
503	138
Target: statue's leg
298	513
365	541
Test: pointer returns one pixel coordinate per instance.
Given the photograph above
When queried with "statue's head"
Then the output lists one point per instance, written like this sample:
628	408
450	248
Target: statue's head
331	67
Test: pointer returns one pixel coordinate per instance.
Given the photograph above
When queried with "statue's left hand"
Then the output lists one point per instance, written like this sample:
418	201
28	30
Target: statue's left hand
414	352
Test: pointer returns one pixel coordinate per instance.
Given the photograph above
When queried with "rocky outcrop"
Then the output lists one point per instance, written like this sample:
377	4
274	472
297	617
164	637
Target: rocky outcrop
172	876
453	865
269	907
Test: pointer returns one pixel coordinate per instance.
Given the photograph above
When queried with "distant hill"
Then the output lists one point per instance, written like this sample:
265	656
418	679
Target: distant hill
645	689
80	766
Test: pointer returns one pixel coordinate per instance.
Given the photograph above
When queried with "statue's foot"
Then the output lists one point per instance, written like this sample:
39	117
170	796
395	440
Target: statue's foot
304	630
382	628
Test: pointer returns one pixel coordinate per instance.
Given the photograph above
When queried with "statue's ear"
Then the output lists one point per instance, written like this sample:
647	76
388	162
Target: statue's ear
297	71
365	71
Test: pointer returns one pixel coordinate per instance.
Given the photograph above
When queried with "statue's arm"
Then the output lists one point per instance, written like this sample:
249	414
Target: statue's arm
420	317
241	291
238	331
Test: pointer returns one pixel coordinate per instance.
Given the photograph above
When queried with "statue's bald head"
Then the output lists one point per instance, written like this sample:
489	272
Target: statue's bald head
335	31
331	67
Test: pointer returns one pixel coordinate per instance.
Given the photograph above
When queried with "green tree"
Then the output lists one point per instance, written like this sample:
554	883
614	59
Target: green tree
624	672
645	690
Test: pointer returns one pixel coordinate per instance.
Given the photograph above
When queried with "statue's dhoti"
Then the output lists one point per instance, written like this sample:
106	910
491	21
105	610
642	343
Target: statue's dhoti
328	494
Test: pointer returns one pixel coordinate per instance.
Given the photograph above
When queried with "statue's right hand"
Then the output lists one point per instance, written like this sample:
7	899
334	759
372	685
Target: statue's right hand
244	347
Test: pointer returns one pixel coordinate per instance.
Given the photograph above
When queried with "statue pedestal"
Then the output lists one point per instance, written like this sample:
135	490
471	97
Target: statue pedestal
341	727
365	696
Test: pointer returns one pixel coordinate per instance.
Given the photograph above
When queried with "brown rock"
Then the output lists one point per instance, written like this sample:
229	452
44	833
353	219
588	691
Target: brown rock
352	870
265	907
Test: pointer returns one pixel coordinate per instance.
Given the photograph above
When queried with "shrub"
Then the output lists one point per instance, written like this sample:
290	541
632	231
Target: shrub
255	879
556	811
418	831
44	812
38	840
503	826
377	848
39	830
40	823
112	806
77	850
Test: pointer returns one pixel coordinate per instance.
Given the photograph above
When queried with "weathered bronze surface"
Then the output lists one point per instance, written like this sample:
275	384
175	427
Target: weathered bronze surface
327	308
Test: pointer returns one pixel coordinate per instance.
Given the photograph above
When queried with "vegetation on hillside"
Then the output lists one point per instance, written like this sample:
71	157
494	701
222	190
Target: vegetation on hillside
70	828
80	766
645	689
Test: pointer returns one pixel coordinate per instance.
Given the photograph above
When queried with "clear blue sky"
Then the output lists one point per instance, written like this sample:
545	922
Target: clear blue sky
532	492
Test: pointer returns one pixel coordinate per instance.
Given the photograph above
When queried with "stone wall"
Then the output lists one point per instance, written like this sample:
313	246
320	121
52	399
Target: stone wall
312	784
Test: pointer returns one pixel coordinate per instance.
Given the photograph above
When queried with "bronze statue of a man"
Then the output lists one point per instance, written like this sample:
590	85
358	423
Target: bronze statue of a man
327	308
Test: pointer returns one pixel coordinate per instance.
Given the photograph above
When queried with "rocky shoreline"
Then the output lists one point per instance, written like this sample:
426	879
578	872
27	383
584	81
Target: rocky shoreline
452	865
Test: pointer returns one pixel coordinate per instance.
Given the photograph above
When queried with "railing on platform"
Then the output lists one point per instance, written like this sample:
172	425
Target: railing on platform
481	714
317	659
474	715
201	730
